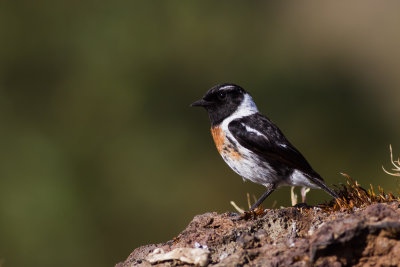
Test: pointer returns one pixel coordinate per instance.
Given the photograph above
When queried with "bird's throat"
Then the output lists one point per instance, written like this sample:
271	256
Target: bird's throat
218	136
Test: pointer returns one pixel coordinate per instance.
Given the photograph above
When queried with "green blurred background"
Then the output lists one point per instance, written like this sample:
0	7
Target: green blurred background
99	150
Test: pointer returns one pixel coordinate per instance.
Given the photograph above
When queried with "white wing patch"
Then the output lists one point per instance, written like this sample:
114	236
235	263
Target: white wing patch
251	130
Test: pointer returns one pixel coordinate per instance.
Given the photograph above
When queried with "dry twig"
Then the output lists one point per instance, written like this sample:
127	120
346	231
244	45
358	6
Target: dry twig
395	163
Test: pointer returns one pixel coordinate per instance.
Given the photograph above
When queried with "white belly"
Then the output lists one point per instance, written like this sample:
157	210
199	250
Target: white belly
247	164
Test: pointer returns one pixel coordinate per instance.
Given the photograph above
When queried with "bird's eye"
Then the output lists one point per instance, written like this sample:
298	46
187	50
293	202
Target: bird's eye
222	95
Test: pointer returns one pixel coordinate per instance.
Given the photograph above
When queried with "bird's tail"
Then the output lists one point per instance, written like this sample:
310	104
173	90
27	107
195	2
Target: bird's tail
323	186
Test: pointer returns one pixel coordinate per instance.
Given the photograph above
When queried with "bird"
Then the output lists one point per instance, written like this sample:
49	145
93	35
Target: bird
252	145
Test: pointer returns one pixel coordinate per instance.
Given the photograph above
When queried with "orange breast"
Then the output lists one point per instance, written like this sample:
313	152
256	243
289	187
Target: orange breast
219	137
223	145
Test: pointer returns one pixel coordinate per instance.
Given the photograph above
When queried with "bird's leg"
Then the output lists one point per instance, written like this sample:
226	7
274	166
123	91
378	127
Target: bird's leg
270	189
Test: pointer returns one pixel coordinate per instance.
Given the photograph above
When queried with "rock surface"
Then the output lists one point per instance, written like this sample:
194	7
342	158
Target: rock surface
368	236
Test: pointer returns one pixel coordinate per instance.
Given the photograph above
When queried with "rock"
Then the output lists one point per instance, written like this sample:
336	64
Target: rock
368	236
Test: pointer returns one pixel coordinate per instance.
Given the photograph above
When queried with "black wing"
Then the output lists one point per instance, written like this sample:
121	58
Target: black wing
271	145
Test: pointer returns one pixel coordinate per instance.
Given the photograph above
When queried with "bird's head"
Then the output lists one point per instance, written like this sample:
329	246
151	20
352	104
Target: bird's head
223	100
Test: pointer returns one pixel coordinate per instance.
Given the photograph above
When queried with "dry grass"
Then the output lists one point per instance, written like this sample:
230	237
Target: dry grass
352	195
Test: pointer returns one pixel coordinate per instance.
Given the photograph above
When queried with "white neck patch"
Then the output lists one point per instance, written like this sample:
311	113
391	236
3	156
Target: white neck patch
246	108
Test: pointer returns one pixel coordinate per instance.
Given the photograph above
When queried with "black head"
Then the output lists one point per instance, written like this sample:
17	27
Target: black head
221	101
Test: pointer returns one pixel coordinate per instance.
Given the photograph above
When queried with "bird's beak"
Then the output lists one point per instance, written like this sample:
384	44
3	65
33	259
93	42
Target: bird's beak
200	103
